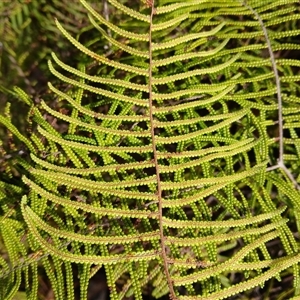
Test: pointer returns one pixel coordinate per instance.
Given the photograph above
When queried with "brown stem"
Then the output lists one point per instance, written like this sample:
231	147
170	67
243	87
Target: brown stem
159	189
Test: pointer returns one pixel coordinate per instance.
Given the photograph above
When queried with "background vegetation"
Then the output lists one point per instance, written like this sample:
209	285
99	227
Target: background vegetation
28	36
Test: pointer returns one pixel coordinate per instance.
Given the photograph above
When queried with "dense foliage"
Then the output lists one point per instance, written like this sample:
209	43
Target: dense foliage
165	149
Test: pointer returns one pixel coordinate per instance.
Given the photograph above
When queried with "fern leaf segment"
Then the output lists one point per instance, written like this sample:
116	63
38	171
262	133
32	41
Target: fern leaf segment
100	58
117	29
118	82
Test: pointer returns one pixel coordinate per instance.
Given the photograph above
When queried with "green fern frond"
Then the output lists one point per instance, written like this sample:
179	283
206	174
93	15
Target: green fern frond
170	155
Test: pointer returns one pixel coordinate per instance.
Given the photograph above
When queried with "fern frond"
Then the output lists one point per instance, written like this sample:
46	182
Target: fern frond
166	160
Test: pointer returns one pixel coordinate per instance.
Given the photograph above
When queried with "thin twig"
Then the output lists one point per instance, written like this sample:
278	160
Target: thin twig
164	255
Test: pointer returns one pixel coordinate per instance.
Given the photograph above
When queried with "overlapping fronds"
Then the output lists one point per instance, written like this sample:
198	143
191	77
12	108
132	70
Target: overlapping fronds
170	160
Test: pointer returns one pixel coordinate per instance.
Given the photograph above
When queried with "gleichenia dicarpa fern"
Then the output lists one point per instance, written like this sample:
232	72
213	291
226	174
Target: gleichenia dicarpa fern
170	157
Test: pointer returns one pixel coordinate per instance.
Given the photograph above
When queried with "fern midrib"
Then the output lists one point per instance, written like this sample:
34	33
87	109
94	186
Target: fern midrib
155	156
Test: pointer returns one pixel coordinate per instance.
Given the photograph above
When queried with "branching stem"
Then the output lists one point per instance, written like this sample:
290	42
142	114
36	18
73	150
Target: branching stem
280	161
